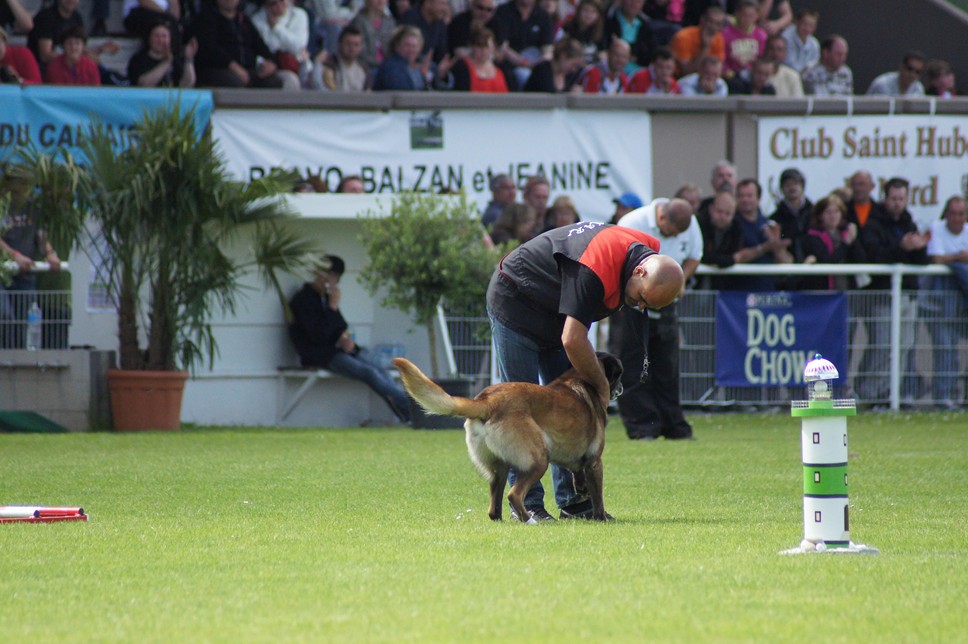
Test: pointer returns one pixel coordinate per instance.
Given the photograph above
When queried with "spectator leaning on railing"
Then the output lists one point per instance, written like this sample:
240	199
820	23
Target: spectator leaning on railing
17	64
891	237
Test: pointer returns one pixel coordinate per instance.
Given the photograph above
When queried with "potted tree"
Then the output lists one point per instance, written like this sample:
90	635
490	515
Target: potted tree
428	251
160	215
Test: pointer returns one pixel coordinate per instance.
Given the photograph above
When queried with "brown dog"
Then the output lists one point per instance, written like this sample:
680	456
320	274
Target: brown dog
527	426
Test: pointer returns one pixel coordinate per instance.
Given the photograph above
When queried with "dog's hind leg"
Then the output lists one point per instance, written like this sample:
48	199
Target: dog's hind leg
499	478
593	479
522	484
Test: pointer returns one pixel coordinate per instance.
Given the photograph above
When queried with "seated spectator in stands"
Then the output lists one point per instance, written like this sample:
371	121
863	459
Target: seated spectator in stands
285	30
903	82
690	193
608	77
562	213
560	74
756	81
625	20
17	64
517	222
775	16
794	210
939	79
319	334
156	65
477	72
831	239
831	76
14	17
945	313
553	9
329	18
537	191
72	67
691	44
351	184
50	26
802	47
231	53
587	26
503	193
723	178
342	71
761	236
658	77
625	204
402	71
140	17
707	81
428	16
524	35
377	26
744	39
665	19
785	80
477	15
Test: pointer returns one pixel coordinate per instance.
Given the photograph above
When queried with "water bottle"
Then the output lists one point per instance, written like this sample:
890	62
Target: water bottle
34	322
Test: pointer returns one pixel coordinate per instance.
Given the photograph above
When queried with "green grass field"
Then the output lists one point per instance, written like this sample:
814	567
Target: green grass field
382	535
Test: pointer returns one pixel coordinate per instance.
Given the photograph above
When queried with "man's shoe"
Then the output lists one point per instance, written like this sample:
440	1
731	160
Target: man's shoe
538	515
580	510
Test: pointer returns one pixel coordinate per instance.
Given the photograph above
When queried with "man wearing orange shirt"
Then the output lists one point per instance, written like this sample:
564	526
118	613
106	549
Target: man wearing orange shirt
690	44
860	206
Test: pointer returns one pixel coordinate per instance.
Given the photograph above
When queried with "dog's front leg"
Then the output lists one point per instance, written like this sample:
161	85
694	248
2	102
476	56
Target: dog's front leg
593	478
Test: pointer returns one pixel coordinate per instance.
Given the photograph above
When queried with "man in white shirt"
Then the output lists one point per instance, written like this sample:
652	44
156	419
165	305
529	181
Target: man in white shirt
650	405
943	312
903	82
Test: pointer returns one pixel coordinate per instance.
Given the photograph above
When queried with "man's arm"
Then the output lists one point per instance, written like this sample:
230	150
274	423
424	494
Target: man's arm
581	354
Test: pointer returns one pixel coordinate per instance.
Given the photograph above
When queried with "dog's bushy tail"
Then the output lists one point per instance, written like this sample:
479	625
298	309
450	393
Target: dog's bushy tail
431	397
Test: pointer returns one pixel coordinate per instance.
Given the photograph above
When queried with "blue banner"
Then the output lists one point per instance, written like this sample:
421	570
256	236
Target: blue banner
766	339
47	117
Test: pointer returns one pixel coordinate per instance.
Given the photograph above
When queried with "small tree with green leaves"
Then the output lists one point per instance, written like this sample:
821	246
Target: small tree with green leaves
427	251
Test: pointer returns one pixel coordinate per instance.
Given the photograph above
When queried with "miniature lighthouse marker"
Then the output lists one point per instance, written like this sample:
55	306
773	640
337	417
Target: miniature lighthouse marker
826	521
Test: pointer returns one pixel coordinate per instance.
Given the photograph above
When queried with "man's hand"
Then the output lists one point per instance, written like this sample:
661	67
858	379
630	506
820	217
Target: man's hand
334	295
346	343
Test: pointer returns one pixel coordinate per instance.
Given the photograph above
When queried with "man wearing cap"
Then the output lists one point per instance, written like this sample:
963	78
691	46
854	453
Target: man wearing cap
793	211
625	204
541	301
649	404
319	333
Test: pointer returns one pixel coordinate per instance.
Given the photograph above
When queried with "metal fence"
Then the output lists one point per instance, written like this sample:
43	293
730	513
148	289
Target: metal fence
55	308
904	347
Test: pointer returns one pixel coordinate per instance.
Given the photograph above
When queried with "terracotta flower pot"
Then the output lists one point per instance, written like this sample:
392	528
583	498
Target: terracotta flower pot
146	399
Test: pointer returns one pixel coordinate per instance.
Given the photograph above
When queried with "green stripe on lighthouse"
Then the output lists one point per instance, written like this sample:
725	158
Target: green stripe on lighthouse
825	480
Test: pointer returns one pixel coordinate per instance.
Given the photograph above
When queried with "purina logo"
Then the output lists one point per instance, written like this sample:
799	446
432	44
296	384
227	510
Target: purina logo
772	300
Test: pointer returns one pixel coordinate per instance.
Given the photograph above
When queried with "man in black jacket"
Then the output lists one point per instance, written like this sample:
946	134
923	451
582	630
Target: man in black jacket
318	332
891	237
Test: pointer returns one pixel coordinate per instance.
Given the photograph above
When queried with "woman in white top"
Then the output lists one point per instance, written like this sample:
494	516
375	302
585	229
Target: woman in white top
285	30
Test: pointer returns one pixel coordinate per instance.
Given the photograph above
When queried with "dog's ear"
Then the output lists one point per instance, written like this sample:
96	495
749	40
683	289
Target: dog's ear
612	367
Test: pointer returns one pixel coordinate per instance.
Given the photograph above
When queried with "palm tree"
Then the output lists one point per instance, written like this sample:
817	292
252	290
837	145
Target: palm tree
159	217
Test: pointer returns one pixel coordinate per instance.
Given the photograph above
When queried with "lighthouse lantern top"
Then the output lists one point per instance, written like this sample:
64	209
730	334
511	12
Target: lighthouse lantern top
816	374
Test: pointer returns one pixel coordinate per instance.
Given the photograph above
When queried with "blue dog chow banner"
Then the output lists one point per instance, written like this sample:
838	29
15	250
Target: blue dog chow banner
765	339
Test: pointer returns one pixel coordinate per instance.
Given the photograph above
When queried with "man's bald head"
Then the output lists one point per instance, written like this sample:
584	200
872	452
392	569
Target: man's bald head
678	214
662	281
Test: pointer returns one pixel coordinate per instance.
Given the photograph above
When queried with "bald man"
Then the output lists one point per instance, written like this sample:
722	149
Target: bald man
648	341
543	298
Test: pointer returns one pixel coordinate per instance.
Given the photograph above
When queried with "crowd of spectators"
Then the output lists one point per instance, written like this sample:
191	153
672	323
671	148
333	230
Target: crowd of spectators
689	47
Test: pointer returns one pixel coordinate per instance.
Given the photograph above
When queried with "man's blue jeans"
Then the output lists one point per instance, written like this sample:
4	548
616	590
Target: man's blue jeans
520	359
363	367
